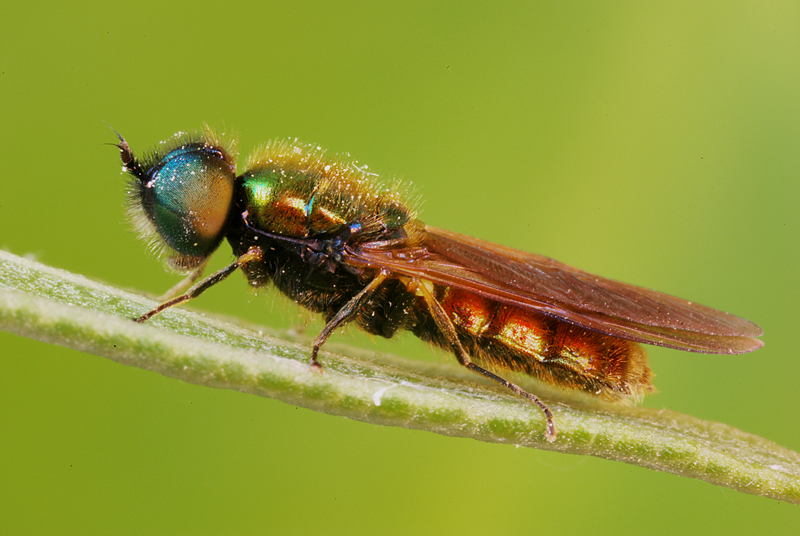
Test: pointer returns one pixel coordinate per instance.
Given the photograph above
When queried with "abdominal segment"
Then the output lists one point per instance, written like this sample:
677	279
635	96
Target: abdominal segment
505	337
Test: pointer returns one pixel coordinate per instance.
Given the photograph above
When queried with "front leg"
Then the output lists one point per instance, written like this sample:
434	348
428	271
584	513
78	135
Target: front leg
253	254
185	283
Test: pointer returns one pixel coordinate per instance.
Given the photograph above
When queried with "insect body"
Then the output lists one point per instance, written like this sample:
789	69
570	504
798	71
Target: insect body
325	235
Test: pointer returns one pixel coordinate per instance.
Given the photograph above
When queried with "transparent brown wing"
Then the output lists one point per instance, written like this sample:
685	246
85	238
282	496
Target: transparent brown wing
542	284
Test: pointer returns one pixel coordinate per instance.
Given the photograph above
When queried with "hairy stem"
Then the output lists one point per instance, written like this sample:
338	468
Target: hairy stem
57	307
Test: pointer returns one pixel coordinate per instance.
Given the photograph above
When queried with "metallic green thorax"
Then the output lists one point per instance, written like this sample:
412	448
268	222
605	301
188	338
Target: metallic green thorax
292	190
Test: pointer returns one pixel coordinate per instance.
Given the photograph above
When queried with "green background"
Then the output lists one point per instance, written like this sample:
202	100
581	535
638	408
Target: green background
654	143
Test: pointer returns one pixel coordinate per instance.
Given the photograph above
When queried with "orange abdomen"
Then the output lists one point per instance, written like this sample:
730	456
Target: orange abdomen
505	337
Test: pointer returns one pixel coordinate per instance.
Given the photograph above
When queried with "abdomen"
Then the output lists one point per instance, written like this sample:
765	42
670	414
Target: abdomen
504	337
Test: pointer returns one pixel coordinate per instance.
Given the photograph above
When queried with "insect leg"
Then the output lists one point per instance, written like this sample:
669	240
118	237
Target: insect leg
185	283
444	323
345	314
252	254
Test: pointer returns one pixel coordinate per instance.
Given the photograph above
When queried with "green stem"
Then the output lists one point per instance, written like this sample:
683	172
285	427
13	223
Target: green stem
54	306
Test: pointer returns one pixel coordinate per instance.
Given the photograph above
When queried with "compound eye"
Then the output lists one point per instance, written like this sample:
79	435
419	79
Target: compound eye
190	192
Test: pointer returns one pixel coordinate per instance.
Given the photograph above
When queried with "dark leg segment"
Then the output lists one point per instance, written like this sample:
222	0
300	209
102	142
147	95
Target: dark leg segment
185	283
252	254
448	329
344	314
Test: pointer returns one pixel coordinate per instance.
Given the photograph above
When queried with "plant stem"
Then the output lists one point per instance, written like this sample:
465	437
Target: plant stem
57	307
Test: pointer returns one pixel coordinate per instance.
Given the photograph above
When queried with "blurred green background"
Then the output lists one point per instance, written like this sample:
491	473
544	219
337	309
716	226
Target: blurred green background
655	143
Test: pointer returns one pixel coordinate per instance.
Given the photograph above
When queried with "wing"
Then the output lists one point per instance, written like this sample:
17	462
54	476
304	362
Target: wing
548	286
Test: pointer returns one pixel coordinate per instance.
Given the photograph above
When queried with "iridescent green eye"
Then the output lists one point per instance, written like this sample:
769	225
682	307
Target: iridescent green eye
186	194
191	190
